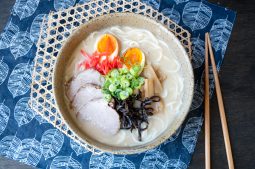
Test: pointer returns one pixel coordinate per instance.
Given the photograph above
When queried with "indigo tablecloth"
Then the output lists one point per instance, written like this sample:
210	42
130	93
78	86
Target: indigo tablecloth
26	137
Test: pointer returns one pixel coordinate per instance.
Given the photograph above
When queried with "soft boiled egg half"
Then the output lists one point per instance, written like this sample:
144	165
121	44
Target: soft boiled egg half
108	44
132	57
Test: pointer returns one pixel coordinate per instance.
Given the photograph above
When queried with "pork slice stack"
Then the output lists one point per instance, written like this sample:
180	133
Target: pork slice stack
86	98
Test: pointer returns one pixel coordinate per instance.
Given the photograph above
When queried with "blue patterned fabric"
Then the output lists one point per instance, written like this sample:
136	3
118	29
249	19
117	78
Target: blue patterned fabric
26	137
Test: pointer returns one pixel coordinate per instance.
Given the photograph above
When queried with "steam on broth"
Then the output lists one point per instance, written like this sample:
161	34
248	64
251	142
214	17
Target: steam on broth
108	107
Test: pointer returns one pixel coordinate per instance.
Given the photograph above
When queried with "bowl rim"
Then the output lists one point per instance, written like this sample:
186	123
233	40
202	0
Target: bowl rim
166	134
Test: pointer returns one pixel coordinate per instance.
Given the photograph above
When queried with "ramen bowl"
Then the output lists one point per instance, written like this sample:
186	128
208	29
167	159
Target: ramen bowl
131	20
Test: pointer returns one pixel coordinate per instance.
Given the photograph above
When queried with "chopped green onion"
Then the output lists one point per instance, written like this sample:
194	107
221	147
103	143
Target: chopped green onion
114	73
112	87
106	84
116	82
134	84
129	76
107	97
117	93
135	70
129	90
123	71
124	95
124	83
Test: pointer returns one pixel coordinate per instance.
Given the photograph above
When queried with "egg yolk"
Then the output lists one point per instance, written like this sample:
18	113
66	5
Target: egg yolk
107	44
133	56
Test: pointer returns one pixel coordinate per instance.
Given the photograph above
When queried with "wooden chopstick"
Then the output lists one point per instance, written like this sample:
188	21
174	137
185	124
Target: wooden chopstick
207	110
221	107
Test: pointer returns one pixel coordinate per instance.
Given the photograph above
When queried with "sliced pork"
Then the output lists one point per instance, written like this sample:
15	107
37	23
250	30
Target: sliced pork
85	94
101	115
89	76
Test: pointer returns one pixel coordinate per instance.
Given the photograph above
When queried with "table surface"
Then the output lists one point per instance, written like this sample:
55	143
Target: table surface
237	77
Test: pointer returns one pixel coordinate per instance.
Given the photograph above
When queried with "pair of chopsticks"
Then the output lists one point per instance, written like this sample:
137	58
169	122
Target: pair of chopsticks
208	48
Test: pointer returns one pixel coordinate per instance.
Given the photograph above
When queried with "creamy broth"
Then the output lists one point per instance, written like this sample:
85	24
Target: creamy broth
159	54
